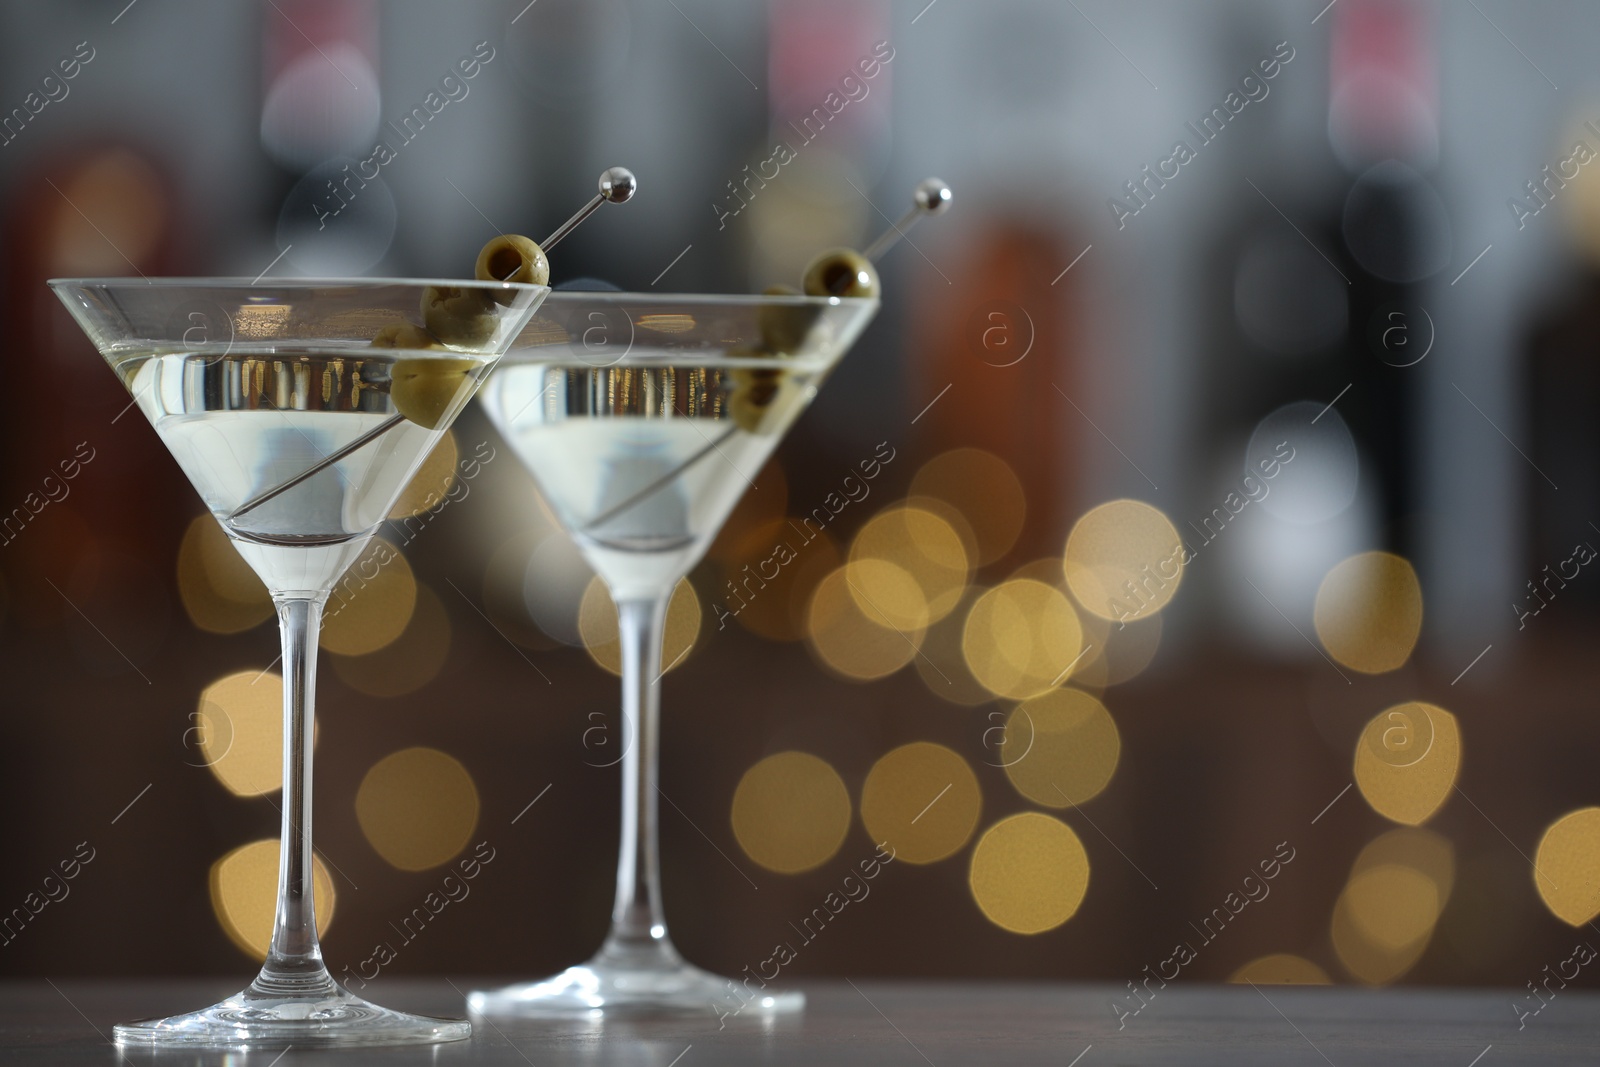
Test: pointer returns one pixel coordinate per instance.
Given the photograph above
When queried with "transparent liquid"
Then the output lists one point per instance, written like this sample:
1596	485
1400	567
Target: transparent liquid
643	463
242	422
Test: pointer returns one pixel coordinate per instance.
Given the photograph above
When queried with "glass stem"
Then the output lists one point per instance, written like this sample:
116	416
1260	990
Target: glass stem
637	922
294	964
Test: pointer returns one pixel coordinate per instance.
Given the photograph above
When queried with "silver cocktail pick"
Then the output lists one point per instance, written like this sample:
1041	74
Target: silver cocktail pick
932	197
617	186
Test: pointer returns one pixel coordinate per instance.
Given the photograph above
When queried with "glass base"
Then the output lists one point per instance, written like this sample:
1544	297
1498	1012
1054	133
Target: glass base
630	981
330	1018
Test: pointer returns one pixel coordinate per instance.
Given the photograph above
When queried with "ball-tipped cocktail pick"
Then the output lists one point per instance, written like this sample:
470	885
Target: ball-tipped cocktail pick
931	197
846	272
505	258
617	186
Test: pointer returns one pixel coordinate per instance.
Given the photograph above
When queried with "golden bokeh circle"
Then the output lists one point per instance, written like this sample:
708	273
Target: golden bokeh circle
921	544
1368	962
1566	866
597	625
220	593
433	480
237	731
409	662
1369	612
1029	873
1416	847
1021	638
1407	761
791	812
1060	748
1124	560
417	808
1280	968
984	490
1393	905
371	604
921	799
888	594
856	645
244	895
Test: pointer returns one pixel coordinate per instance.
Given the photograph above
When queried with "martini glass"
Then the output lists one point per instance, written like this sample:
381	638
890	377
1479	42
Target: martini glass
299	432
643	419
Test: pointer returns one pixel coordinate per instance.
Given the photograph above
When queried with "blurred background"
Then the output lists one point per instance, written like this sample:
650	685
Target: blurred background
1308	289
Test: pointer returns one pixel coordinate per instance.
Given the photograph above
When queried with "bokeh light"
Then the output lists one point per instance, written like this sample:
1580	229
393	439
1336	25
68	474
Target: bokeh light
1021	638
855	644
433	480
1123	560
1280	968
984	490
409	662
1566	866
923	800
887	592
244	895
371	604
924	546
417	807
1060	748
1407	760
1390	906
220	593
597	624
1307	454
1029	873
1369	612
791	812
238	732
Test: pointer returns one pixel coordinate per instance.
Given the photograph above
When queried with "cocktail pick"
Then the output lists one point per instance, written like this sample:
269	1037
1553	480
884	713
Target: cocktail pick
931	197
617	186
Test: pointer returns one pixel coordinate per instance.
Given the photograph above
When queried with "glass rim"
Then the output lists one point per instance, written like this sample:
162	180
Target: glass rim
710	299
296	282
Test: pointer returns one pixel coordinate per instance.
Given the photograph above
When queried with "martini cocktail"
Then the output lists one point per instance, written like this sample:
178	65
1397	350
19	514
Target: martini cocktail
643	419
299	409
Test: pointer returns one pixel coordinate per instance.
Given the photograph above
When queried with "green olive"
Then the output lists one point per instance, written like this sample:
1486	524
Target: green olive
784	326
841	272
404	335
512	258
423	390
458	315
762	400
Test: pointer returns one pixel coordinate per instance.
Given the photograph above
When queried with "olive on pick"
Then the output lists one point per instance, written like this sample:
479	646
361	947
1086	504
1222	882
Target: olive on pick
512	257
841	272
459	315
763	400
784	326
404	335
424	389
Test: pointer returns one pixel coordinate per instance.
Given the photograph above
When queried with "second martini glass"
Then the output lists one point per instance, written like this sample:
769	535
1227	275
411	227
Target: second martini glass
299	409
643	418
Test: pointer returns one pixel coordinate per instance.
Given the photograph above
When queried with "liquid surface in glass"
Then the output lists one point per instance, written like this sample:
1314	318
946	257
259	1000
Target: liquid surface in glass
643	462
242	422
